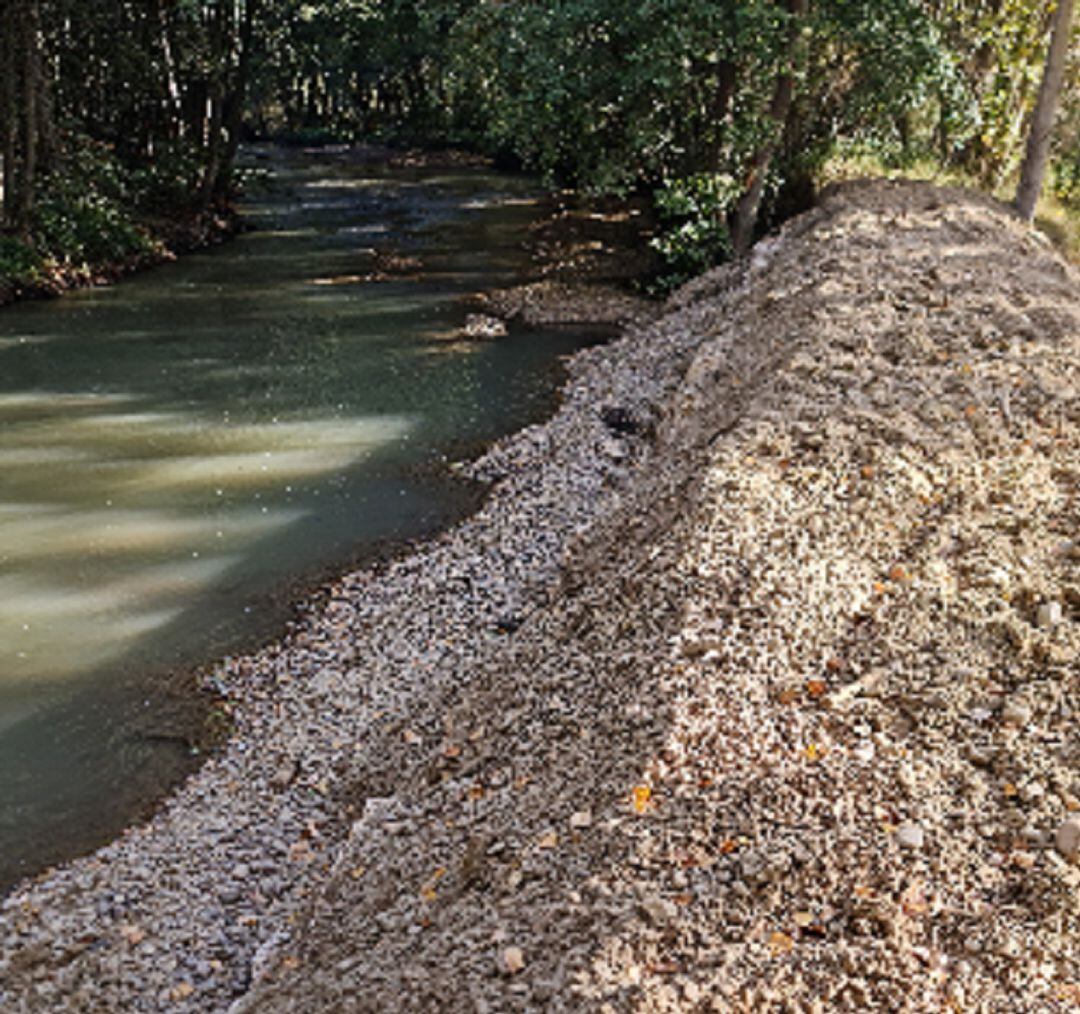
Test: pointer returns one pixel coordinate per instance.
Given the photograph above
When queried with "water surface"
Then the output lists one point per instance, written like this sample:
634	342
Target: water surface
176	450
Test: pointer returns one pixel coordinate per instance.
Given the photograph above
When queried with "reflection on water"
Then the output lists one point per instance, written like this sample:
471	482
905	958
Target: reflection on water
177	449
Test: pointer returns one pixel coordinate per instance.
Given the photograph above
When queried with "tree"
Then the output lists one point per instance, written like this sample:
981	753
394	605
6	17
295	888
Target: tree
1042	121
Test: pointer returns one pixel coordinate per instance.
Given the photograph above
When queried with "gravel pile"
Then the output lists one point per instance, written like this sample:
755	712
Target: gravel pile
751	687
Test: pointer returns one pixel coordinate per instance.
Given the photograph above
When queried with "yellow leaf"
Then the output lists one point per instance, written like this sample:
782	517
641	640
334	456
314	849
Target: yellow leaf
642	797
813	752
780	943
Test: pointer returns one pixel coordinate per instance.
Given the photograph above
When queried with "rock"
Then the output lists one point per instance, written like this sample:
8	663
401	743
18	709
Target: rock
621	421
512	960
581	819
482	325
658	910
1016	713
864	751
910	836
1067	838
1050	615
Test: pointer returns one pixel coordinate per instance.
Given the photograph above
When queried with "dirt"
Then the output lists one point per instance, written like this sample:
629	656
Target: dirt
751	687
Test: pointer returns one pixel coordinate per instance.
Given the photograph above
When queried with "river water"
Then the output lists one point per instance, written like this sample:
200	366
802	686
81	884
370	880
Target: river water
179	451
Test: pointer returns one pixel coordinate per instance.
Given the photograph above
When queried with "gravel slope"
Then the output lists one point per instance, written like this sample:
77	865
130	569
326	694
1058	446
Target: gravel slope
751	688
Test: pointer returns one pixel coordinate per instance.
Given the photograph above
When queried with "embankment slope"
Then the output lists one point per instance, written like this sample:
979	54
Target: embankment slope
751	687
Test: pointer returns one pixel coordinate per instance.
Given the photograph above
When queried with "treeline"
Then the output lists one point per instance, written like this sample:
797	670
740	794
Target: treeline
725	111
721	108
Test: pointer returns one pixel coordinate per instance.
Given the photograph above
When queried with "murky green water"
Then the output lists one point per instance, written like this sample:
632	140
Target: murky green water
178	449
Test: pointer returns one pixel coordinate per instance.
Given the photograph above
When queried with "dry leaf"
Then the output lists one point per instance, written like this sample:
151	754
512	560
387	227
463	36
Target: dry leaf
642	796
913	901
787	696
803	919
134	935
898	573
813	753
816	688
867	471
1009	789
411	737
780	943
183	991
357	872
548	840
728	845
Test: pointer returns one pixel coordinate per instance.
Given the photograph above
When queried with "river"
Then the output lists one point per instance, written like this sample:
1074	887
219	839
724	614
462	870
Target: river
180	453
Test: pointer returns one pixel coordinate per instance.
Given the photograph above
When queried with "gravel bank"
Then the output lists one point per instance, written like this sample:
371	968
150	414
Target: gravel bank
751	687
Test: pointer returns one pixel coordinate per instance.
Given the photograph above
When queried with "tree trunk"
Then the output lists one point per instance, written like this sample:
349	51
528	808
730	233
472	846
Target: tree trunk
746	211
1042	121
234	116
9	120
28	176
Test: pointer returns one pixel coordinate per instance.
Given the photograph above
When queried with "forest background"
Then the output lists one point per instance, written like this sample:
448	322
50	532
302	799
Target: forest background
121	120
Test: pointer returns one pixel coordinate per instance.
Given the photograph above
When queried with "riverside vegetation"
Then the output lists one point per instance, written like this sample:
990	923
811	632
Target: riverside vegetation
121	122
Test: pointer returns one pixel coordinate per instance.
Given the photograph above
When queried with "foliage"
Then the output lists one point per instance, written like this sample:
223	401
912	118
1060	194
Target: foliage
82	216
19	262
693	233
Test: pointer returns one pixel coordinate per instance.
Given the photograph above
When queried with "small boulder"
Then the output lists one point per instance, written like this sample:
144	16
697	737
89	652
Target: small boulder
1067	838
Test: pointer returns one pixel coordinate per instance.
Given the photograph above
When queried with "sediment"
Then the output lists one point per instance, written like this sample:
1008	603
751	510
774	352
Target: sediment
751	687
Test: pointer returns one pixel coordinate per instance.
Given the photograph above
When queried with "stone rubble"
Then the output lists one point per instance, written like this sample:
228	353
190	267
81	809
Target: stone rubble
781	723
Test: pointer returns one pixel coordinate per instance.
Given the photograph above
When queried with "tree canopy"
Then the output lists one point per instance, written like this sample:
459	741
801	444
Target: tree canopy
717	108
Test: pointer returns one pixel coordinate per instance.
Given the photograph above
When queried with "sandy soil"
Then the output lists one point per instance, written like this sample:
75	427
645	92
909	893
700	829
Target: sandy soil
751	688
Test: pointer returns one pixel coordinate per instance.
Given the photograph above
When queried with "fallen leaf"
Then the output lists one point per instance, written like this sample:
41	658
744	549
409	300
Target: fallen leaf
183	991
642	796
834	664
803	919
357	872
813	752
780	943
816	688
683	899
898	573
451	750
867	471
1009	789
879	588
787	696
476	792
548	840
134	935
913	901
411	737
728	845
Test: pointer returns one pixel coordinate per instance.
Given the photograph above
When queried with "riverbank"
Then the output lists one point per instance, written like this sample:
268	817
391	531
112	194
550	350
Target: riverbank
750	685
